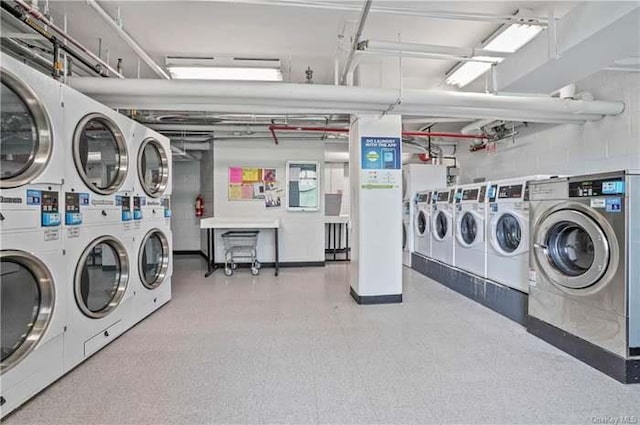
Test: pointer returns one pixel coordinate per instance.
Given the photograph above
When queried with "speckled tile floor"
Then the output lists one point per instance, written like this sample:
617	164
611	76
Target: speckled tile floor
297	349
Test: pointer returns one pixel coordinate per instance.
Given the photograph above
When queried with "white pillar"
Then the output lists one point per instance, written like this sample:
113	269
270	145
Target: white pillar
375	149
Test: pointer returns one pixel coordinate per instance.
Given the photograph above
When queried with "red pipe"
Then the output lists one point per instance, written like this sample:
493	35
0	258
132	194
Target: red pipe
274	128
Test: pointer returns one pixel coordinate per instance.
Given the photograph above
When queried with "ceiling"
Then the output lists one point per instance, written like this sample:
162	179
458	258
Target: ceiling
299	36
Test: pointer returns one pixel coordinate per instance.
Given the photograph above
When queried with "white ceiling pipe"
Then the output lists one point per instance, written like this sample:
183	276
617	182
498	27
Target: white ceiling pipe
476	126
421	55
467	52
222	92
130	41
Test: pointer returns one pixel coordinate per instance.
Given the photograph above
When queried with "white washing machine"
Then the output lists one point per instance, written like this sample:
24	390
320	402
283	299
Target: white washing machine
470	218
585	276
508	232
422	224
32	148
33	280
99	290
442	227
100	168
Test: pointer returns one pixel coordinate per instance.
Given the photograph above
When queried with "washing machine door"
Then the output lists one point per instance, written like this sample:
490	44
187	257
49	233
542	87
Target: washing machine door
101	277
470	229
441	225
100	153
574	250
153	259
153	167
27	302
421	222
509	233
25	133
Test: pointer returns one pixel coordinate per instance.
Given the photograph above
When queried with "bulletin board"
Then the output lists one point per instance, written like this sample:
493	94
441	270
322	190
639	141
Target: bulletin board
249	183
303	186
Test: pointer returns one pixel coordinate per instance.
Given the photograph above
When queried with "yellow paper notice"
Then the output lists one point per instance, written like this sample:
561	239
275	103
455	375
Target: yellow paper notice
250	175
235	192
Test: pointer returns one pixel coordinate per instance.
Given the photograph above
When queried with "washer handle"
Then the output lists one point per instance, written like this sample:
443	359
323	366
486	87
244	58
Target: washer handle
540	246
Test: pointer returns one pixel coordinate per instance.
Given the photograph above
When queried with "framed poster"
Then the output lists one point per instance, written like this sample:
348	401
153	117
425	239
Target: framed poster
303	186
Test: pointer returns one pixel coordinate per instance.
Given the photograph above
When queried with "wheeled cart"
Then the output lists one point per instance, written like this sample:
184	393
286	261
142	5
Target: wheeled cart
240	245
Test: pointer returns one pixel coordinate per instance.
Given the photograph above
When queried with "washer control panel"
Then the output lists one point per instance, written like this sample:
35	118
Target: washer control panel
138	202
125	203
49	203
603	187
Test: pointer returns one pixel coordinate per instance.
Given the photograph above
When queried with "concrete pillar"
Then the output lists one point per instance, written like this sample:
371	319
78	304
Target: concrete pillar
375	149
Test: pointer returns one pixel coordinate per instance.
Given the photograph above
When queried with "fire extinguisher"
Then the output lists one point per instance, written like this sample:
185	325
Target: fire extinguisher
199	206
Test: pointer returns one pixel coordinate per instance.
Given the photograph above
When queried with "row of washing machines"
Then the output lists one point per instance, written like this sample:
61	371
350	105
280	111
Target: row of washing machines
84	226
571	243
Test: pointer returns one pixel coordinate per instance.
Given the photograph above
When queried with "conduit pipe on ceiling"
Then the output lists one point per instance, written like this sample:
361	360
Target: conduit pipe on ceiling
392	46
249	96
40	17
129	40
356	39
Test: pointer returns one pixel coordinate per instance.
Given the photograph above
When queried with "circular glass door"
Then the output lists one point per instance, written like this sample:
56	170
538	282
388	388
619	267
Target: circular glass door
404	235
468	228
153	167
573	250
25	133
154	259
508	233
421	223
100	154
26	305
101	277
441	225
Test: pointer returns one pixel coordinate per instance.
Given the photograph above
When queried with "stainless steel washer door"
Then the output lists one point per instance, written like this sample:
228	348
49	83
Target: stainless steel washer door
101	277
27	300
153	260
573	250
153	167
100	153
25	133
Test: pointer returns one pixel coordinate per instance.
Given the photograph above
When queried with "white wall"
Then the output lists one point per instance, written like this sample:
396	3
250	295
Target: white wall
301	233
336	180
185	226
612	143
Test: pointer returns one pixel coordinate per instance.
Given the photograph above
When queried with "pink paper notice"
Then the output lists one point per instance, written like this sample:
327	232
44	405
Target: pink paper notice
235	175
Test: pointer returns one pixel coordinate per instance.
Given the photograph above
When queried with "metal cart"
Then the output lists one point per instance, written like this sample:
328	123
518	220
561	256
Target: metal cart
240	245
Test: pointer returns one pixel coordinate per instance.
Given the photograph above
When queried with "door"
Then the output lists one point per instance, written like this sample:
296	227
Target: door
100	154
470	229
153	167
25	133
421	222
27	303
574	249
153	261
441	225
509	233
101	277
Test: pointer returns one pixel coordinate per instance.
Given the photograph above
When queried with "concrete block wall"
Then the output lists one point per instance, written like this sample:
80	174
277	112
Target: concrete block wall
612	143
185	226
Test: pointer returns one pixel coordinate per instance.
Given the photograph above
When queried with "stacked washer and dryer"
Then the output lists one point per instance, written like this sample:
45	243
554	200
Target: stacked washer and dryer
69	243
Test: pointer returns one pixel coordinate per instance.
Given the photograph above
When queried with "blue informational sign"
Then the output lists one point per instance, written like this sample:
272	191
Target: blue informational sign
614	205
381	153
34	197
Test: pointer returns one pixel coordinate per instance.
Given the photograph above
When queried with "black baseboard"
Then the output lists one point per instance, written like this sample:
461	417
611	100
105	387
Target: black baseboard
624	370
375	299
287	264
506	301
194	252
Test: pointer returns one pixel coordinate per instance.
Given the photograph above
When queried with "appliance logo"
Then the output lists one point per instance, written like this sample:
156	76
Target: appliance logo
10	200
97	202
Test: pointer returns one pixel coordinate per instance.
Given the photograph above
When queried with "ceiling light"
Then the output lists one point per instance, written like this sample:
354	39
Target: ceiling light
225	73
509	40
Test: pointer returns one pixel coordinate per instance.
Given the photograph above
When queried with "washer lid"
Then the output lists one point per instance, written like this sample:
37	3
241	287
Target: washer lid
572	250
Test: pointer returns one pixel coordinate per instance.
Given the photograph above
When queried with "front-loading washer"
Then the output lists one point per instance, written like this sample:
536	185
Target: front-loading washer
585	277
421	224
33	281
470	219
442	222
32	148
99	291
100	168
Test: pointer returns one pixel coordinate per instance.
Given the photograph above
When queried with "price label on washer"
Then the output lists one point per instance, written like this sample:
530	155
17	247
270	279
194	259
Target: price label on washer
533	278
127	227
598	203
73	232
51	235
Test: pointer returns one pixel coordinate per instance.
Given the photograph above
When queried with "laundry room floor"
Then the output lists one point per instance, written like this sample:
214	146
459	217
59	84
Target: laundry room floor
297	349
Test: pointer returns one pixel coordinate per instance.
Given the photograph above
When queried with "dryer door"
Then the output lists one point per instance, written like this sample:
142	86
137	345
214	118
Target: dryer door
153	167
27	302
441	225
509	233
470	229
25	133
421	222
101	277
572	250
153	260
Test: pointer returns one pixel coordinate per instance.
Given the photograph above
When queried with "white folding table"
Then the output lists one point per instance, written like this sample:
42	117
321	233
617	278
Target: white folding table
212	223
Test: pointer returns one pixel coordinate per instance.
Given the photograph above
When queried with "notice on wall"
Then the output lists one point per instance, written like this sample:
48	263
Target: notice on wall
381	161
303	186
248	184
273	194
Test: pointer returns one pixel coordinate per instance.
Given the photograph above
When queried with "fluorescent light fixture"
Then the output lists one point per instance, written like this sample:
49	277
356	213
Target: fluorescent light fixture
512	38
225	73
